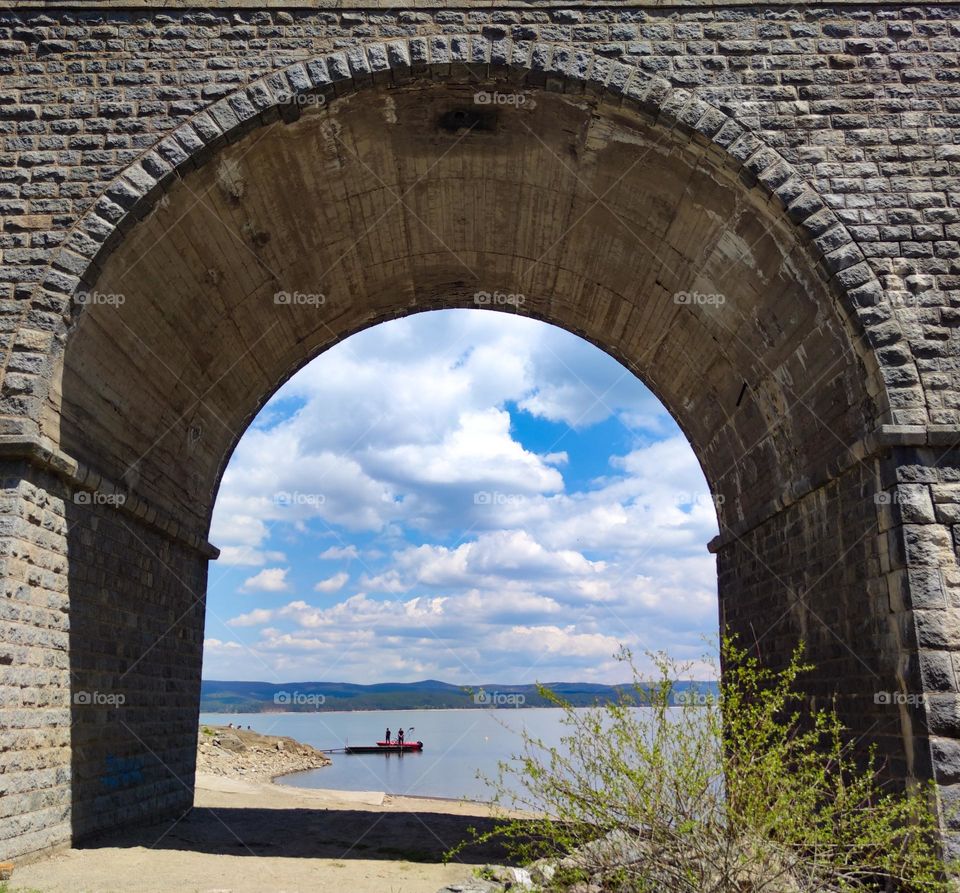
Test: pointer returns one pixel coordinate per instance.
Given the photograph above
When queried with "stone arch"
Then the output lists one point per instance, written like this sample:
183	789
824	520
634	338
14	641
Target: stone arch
133	193
810	531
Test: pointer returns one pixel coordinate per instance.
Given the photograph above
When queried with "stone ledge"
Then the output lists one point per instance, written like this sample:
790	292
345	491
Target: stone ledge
42	454
884	438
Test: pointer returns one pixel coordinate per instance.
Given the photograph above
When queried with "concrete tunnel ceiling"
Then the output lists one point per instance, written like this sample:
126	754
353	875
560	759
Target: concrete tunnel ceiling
389	201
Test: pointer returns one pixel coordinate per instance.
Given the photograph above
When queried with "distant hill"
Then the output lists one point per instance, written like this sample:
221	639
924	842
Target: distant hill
265	697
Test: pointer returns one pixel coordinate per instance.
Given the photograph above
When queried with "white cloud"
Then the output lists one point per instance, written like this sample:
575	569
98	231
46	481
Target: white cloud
476	637
387	431
478	452
472	549
270	579
490	560
238	530
555	640
257	617
247	556
340	553
218	646
332	584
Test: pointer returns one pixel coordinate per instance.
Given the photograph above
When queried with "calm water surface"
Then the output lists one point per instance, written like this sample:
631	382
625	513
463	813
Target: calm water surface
457	744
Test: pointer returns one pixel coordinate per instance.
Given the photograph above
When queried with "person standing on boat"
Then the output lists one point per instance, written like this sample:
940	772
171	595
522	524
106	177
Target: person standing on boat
400	737
386	737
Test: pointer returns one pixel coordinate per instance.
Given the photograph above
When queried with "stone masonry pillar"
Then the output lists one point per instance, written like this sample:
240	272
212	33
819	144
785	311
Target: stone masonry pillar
101	633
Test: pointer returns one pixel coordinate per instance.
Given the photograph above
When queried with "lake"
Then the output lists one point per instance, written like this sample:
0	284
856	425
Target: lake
457	744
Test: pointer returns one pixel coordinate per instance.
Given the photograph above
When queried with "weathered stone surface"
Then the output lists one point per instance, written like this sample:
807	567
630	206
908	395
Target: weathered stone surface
764	229
916	504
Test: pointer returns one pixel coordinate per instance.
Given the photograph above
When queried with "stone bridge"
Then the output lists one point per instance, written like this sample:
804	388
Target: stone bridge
756	209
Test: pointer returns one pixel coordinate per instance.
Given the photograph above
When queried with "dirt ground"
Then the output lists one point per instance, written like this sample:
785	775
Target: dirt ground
251	837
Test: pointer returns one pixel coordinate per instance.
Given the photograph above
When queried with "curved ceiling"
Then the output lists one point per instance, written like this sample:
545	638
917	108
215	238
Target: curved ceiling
402	199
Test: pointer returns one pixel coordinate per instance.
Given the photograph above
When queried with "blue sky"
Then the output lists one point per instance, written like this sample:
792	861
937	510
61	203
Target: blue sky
461	495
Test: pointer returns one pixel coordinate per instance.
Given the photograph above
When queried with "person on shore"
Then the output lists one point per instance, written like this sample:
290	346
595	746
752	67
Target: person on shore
400	737
386	737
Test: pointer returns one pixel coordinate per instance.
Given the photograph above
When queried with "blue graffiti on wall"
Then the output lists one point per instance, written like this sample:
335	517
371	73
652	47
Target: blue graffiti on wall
122	772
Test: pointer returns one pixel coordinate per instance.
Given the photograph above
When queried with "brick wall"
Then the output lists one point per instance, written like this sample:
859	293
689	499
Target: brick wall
840	121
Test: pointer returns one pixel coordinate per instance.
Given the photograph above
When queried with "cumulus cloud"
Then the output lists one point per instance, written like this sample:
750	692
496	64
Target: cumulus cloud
340	553
257	617
270	579
332	584
486	524
218	646
248	556
492	559
431	631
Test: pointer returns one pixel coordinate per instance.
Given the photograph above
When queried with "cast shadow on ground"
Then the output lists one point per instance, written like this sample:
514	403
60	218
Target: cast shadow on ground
314	833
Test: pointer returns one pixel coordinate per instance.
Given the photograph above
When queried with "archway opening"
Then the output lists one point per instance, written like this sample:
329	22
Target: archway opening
455	500
388	201
463	455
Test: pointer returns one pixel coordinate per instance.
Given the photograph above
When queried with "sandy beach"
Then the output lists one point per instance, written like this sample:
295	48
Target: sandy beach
247	836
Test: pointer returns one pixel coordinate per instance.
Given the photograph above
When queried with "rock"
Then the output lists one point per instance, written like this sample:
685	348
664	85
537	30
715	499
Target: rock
510	878
231	741
542	871
622	848
521	878
615	848
476	885
241	753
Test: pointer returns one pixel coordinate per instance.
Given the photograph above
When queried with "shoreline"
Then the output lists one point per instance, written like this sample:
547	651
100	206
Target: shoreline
226	784
269	763
485	804
387	710
311	838
243	753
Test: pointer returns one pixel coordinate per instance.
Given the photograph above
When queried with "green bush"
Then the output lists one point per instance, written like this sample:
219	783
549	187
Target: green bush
748	791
